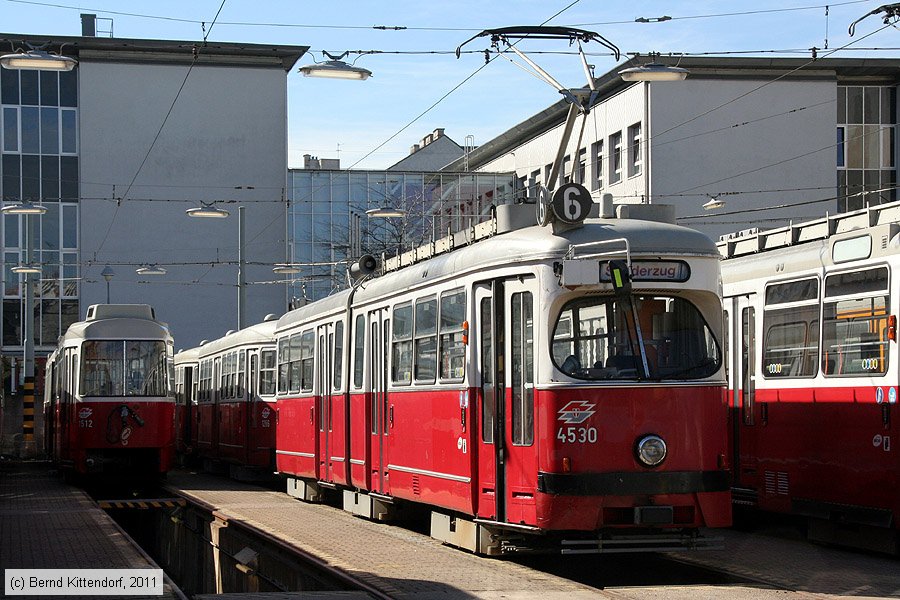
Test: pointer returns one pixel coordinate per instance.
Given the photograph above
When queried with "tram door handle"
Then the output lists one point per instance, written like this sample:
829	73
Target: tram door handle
462	418
886	415
312	416
391	416
764	412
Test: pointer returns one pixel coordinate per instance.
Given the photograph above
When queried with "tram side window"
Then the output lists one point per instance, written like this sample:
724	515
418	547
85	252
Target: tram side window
791	329
206	380
359	351
307	354
487	372
522	369
426	340
284	364
294	369
854	338
241	368
452	348
224	370
401	345
267	373
338	355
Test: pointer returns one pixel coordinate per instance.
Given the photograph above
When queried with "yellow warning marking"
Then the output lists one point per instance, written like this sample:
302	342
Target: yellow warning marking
142	504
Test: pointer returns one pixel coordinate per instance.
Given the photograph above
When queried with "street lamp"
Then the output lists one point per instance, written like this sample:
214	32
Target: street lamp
37	59
107	273
335	68
150	270
286	269
208	211
654	72
713	203
386	212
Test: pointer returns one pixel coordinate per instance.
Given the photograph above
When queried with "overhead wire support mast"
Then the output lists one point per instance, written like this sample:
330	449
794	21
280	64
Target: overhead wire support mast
580	100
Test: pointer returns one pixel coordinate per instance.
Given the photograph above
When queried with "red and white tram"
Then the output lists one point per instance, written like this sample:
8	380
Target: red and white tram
513	388
108	394
812	318
235	416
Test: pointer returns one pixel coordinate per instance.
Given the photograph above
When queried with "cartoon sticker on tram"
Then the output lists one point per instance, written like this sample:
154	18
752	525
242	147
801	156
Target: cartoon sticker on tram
266	411
572	414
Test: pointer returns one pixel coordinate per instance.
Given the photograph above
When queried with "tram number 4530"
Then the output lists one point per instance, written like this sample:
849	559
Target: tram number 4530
577	435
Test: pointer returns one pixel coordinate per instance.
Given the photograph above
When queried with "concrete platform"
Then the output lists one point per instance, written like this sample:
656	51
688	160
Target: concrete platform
46	524
398	563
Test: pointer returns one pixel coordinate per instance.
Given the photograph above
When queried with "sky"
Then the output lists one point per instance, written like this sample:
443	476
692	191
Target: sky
418	84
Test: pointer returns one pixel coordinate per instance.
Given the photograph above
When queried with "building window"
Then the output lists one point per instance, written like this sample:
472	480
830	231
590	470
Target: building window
615	158
866	120
841	133
634	150
534	184
581	173
597	165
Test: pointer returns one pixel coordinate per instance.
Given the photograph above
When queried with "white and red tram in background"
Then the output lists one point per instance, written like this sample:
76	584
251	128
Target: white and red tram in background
234	418
186	386
511	387
108	394
812	320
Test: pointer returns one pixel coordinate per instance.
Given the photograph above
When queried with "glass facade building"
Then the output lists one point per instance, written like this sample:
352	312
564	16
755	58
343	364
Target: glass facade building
40	164
866	123
329	225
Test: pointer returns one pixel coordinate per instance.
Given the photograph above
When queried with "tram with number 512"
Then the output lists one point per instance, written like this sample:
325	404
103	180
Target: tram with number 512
108	395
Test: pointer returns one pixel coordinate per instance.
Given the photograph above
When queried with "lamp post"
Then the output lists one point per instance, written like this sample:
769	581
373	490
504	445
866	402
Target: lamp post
27	269
209	211
652	71
107	274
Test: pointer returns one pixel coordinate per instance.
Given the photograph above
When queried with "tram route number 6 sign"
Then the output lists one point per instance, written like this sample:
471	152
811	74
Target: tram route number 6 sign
571	203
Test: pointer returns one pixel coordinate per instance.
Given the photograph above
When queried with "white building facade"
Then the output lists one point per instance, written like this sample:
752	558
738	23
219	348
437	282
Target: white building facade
776	139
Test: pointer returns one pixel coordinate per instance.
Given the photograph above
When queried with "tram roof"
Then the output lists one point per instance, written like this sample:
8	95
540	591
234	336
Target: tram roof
117	328
191	355
261	333
533	244
518	247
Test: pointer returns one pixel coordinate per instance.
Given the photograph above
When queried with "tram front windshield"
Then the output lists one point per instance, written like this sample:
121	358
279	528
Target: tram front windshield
636	337
124	368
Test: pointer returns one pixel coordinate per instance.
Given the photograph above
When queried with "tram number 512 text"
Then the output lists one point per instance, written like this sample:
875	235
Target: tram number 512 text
580	435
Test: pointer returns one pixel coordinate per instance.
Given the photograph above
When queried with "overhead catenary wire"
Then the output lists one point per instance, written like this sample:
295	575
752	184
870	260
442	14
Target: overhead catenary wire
413	27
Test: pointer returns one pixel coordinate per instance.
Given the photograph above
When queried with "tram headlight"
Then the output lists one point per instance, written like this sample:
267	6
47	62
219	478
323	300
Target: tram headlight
651	450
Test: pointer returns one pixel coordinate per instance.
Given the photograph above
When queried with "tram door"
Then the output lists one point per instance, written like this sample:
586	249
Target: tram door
518	464
490	361
379	412
743	385
324	400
